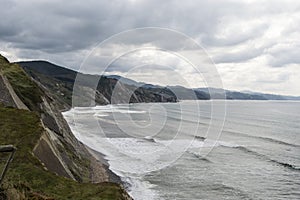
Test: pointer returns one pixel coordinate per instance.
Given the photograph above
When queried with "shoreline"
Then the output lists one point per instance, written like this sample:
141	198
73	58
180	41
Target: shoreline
112	177
99	166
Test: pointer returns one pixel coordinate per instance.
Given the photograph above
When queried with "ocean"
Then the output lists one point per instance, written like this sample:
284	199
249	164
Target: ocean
197	149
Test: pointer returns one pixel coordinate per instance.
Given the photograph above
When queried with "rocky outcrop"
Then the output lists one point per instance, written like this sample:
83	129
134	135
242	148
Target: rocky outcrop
110	89
76	162
58	149
5	98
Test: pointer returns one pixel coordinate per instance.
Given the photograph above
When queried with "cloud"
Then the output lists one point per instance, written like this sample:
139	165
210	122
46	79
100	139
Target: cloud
284	54
234	32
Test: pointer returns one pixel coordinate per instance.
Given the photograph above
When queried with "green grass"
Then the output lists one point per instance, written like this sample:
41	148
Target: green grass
27	177
24	87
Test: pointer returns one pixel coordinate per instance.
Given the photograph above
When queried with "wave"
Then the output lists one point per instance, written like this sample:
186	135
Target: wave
278	141
265	138
81	111
266	158
227	144
115	109
97	115
140	189
229	190
187	120
200	157
129	157
121	111
287	165
201	138
149	139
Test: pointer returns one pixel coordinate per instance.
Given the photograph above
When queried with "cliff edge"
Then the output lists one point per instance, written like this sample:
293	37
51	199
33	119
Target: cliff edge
50	162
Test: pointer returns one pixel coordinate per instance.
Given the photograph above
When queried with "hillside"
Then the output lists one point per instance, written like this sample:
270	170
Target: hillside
216	93
27	177
50	163
60	82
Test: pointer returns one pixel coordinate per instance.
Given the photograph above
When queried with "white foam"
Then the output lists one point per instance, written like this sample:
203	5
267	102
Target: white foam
81	111
100	115
116	109
228	144
132	158
142	190
123	165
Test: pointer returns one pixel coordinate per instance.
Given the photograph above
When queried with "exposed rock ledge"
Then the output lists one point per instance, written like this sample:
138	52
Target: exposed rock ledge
58	149
57	139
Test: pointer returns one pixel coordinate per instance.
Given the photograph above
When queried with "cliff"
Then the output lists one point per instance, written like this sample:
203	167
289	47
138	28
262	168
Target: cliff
60	82
50	163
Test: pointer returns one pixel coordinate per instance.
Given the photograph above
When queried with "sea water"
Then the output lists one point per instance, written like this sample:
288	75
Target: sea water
197	149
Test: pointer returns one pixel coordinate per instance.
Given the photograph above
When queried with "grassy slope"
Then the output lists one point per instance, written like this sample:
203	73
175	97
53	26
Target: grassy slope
26	89
27	177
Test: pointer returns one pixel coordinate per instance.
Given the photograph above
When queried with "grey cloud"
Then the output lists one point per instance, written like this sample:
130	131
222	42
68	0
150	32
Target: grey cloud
237	57
64	32
282	56
51	27
243	55
78	25
237	36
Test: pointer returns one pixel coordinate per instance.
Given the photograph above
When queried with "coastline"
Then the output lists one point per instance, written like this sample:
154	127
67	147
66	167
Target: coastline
100	159
99	166
135	186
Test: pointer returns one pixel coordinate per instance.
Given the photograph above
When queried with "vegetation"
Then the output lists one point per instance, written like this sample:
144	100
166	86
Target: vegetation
25	88
60	81
27	178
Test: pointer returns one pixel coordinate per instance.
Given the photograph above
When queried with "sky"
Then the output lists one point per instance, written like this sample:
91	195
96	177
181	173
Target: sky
253	44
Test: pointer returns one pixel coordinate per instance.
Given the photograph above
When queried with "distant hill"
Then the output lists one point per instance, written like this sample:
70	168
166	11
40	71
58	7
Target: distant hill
183	93
276	97
245	95
60	81
217	93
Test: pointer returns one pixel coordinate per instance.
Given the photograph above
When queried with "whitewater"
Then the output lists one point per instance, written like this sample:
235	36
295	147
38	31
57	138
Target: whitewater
197	149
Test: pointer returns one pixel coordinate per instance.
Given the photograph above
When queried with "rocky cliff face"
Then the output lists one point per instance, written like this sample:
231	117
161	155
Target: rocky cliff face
70	157
58	149
60	82
5	98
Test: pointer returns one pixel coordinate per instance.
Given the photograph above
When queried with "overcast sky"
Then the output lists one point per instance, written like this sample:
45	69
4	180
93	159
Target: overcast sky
255	44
